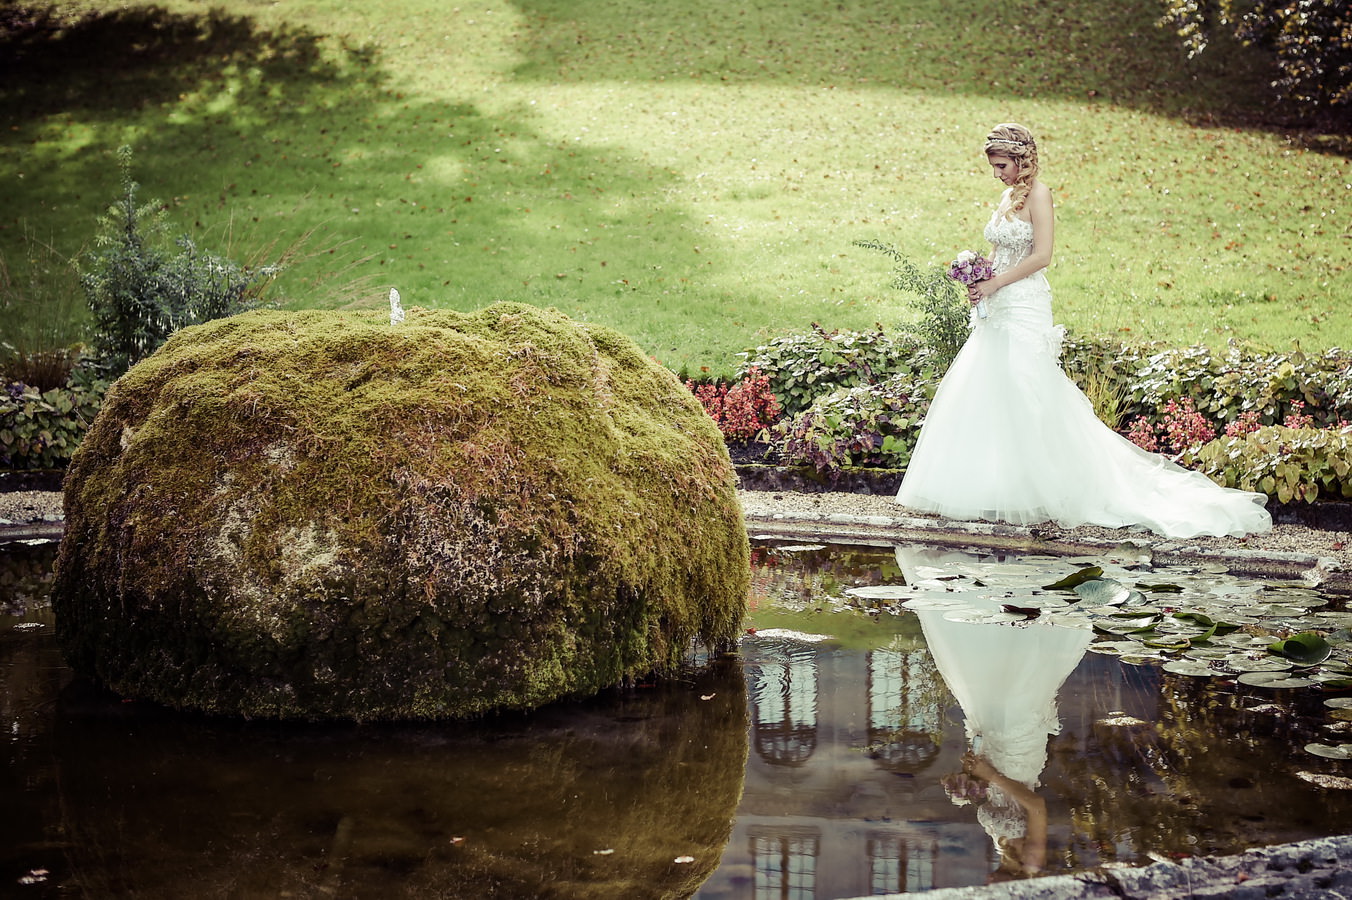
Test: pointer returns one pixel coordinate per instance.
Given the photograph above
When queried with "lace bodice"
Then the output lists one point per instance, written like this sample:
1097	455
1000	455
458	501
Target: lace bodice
1012	239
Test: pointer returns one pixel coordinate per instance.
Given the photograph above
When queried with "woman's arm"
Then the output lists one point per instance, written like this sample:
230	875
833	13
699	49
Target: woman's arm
1039	206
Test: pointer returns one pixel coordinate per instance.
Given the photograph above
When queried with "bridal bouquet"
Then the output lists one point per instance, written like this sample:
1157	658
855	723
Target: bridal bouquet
969	268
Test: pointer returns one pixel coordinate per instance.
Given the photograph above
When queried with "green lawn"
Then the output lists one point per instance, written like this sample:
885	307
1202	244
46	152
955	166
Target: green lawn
691	173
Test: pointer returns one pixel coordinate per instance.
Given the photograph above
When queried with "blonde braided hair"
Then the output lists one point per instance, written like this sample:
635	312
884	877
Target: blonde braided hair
1015	142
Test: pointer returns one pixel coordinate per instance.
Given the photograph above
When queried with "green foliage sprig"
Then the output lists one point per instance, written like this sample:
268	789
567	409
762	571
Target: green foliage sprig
42	429
1288	464
942	302
140	292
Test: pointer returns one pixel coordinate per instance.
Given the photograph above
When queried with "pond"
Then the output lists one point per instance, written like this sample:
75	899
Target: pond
895	720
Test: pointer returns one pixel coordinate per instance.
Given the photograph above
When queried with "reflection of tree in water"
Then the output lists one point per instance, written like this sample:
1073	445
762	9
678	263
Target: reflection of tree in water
906	700
794	578
1202	776
784	706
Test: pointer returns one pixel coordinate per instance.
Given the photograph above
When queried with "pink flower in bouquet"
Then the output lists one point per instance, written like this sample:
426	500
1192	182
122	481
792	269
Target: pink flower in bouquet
969	268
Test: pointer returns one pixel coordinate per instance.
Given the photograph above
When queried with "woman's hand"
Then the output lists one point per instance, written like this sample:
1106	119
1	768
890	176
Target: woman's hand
981	290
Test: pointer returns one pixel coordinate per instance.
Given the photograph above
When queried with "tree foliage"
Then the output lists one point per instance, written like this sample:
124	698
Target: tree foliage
141	292
1311	40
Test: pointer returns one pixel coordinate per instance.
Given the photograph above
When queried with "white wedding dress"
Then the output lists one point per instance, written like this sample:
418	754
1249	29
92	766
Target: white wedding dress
1010	438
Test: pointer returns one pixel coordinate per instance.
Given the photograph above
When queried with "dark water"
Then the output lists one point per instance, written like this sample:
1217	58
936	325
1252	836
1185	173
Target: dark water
811	765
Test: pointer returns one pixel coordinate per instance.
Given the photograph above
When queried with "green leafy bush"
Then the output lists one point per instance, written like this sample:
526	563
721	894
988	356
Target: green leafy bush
41	429
802	367
140	292
1286	463
866	425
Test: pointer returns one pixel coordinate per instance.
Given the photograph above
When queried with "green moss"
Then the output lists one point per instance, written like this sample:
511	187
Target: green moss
320	515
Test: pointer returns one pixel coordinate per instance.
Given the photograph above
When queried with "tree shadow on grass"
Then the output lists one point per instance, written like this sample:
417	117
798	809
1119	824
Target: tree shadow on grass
1092	52
109	62
277	131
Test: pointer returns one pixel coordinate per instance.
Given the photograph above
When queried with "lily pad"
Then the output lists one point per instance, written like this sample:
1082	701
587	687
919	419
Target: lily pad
1275	680
1070	582
1103	591
1330	751
881	592
1332	782
1189	667
1306	648
1339	703
981	616
1243	663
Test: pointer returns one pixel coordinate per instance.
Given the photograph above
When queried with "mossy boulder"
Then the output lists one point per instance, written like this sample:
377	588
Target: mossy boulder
321	515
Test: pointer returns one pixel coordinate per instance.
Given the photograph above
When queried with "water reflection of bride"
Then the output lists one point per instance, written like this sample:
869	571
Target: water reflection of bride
1005	676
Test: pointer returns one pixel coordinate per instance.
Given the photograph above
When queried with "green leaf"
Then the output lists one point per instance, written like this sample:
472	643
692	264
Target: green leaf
1071	581
1102	591
1306	648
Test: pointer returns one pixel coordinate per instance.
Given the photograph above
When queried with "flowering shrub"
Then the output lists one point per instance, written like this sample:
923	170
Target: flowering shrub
1142	434
1183	427
742	410
1247	423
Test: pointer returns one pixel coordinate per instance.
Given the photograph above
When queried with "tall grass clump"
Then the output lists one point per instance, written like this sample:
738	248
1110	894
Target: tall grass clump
43	319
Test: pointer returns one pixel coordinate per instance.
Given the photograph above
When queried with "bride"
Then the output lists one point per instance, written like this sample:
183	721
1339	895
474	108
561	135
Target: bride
1010	438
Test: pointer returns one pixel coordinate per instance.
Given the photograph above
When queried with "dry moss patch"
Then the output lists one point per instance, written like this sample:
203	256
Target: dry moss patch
321	515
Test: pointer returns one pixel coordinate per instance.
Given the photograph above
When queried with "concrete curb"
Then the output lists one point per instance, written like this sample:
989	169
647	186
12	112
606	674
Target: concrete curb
1313	571
1306	870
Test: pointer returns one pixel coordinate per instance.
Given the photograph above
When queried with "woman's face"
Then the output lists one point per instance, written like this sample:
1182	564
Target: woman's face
1006	169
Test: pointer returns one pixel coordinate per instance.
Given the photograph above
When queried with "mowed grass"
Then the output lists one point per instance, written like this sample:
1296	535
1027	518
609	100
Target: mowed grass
690	173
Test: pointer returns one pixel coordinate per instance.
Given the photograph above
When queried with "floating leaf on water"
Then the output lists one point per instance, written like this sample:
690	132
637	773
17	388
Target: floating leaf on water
684	859
1306	648
786	634
1243	641
1332	782
1338	751
981	616
1165	642
1205	653
935	603
799	548
1121	721
1114	648
1341	715
1188	667
1071	581
1158	588
1333	682
881	592
1102	591
1026	612
1240	662
1141	659
1273	680
1121	625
